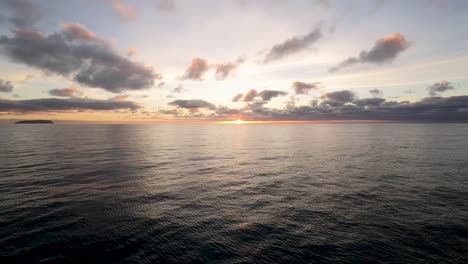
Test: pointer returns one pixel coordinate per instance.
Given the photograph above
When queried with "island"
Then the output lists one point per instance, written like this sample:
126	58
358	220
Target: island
34	122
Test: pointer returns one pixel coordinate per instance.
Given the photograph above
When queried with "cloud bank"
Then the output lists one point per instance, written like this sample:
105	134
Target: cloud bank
54	104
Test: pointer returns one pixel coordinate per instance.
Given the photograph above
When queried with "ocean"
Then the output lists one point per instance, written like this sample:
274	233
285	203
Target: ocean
219	193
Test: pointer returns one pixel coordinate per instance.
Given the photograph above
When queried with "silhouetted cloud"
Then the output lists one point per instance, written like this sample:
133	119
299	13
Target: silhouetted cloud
21	13
304	88
385	50
192	104
54	104
75	51
376	92
440	87
338	98
369	102
196	69
71	91
124	10
6	86
265	95
293	45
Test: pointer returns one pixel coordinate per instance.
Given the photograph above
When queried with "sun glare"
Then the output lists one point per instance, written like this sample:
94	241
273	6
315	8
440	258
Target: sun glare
238	122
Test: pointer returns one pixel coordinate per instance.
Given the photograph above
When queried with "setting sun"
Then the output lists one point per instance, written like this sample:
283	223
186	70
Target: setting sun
238	122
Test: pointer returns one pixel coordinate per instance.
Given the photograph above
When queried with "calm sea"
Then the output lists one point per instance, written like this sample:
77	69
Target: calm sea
309	193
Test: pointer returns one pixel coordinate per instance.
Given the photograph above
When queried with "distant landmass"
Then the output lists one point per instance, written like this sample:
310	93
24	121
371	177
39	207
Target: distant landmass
34	122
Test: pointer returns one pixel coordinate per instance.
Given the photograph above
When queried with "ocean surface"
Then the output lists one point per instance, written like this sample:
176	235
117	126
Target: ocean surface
263	193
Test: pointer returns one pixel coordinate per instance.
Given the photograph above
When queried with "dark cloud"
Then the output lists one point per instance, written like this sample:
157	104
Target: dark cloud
385	50
265	95
293	45
376	92
304	88
6	86
21	13
196	69
71	91
222	71
54	104
338	98
76	52
369	102
440	87
192	104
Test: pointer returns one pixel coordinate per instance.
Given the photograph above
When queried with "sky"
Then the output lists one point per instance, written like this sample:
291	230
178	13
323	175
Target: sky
264	60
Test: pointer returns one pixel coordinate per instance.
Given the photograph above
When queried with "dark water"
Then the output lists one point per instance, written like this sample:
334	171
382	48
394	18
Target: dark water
342	193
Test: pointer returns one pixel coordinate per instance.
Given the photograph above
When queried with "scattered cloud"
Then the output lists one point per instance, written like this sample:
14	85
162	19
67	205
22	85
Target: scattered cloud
293	45
376	92
178	89
304	88
161	84
75	52
125	11
385	50
222	71
338	98
71	91
440	87
6	86
55	104
193	104
265	95
196	69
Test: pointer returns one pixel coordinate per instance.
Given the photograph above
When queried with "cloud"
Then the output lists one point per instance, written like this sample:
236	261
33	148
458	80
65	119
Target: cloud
122	97
304	88
237	97
265	95
21	13
222	71
161	84
196	69
123	10
77	31
385	50
131	52
440	87
338	98
74	52
167	5
54	104
71	91
193	104
178	89
376	92
6	86
293	45
431	109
